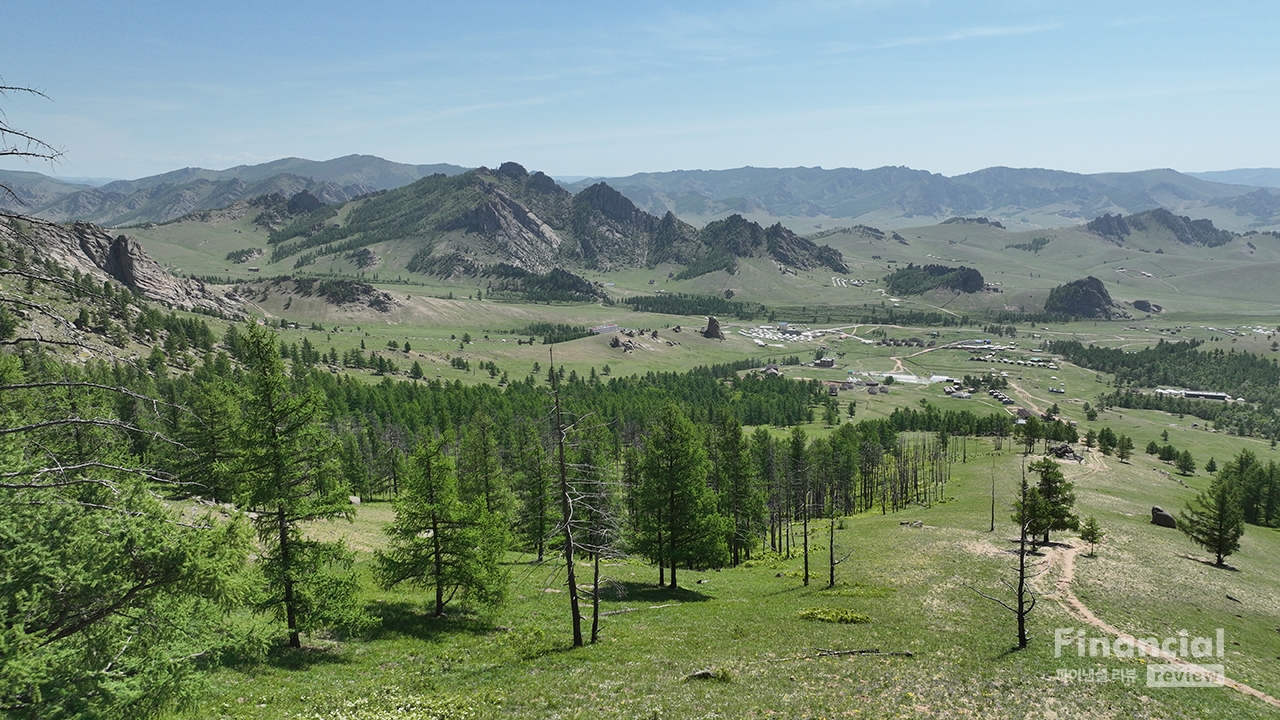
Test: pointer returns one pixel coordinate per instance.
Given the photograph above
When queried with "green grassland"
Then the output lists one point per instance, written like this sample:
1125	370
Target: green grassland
915	583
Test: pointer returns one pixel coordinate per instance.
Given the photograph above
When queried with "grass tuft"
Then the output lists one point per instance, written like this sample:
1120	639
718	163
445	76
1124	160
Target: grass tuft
843	616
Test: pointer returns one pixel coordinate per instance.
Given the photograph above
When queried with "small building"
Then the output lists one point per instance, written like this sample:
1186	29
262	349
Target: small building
772	369
826	362
1205	395
873	390
602	329
962	395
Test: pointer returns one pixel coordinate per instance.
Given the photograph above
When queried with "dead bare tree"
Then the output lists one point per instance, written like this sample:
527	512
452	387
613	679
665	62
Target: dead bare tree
21	144
1024	595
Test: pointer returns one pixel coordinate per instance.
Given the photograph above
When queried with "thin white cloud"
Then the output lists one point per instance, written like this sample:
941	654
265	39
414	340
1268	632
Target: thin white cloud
972	33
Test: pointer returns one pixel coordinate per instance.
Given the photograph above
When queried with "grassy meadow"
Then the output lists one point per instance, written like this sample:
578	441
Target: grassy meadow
916	584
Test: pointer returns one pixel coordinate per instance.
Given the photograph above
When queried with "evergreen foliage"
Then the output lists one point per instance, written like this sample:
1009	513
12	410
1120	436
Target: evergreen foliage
919	279
677	522
441	541
682	304
290	475
1214	520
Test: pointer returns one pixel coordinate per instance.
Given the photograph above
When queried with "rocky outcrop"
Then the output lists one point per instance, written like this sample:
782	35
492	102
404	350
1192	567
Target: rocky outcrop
713	331
789	248
513	230
1182	228
93	251
1162	518
610	231
1086	298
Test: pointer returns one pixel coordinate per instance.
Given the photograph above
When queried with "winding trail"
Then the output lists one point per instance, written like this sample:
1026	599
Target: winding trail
1066	558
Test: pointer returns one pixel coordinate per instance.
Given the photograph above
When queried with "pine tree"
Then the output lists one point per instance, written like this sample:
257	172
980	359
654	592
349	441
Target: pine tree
1214	519
1124	448
290	475
1185	463
441	541
1091	532
1107	440
1052	501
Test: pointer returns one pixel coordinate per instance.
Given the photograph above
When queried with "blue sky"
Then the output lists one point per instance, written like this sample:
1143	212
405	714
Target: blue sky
576	88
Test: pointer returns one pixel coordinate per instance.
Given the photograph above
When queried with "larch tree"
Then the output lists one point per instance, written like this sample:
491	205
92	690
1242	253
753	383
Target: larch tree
1026	509
741	499
533	481
1214	520
480	471
290	475
1053	501
800	480
678	520
440	541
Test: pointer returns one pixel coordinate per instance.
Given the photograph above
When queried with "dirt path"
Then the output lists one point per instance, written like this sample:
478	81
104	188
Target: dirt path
1066	558
1026	398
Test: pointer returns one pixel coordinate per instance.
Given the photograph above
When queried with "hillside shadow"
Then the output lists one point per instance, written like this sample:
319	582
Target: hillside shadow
403	619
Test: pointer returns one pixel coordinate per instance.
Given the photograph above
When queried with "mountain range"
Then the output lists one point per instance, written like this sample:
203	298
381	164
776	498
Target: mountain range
471	223
171	195
803	199
900	196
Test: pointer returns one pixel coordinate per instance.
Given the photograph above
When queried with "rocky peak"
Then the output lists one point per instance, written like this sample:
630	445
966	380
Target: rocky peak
512	170
615	206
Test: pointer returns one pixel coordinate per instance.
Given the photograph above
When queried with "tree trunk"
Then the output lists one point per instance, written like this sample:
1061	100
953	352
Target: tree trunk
566	513
804	516
671	540
290	612
595	602
438	558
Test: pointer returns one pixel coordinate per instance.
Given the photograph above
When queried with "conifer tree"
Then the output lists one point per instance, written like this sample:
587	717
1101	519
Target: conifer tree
1092	533
533	477
1214	519
1052	501
1185	463
290	475
441	541
1124	448
678	522
741	499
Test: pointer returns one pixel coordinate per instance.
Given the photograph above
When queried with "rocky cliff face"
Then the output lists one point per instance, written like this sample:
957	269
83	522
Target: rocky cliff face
92	250
511	230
